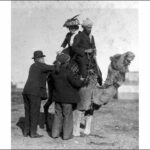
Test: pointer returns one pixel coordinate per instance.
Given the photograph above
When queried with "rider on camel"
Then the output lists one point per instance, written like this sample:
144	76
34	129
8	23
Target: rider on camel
84	50
73	26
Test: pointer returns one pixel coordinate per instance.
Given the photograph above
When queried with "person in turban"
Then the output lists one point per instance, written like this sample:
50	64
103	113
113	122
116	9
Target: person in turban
84	49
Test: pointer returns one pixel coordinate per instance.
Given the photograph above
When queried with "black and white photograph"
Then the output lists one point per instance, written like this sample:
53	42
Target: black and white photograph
74	81
75	75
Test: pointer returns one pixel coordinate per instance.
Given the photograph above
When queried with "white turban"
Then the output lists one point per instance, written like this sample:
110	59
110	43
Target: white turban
87	23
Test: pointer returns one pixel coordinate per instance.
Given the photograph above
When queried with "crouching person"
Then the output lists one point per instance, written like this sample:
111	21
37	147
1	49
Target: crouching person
65	95
33	92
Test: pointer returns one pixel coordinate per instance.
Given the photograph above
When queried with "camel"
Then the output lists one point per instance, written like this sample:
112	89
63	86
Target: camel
93	96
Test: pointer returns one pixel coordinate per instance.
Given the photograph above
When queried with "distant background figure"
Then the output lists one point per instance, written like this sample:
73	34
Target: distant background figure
34	91
65	95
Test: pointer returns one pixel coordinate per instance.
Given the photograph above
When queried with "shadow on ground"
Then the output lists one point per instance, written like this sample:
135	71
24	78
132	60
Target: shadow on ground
114	126
43	120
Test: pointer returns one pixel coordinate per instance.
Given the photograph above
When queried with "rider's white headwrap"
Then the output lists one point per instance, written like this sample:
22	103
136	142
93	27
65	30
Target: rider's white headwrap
87	23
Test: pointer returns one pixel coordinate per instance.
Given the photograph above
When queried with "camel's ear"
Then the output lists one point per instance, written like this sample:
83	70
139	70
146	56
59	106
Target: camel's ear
111	58
115	57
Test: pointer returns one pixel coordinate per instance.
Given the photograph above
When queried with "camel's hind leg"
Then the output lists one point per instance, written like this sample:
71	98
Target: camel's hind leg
77	120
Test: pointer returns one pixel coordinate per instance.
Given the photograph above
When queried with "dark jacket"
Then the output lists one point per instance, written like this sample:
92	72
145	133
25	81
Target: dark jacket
66	42
64	86
81	43
36	82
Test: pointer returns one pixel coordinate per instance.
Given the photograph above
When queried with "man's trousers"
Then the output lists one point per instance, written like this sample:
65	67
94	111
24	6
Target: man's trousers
63	120
32	112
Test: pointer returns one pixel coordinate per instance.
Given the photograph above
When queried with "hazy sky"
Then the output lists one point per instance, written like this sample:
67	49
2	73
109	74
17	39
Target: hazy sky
38	25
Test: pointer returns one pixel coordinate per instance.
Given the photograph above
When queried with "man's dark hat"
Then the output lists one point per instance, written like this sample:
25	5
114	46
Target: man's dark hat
38	54
63	58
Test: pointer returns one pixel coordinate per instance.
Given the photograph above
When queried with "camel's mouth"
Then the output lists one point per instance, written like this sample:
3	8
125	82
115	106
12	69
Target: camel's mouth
127	60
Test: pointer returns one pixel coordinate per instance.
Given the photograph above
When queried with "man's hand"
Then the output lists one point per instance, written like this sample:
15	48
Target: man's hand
89	50
82	79
58	52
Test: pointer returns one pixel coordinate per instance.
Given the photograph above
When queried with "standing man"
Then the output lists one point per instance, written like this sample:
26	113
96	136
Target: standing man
65	95
85	49
33	92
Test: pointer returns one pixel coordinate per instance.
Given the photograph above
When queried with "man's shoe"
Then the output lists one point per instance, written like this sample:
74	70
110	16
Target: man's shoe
36	135
25	134
56	137
68	138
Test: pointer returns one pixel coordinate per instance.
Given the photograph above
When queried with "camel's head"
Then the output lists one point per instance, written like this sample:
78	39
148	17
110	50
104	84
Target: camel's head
115	77
121	62
118	68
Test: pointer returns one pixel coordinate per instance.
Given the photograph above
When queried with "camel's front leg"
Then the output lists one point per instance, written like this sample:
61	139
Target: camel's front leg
77	120
88	123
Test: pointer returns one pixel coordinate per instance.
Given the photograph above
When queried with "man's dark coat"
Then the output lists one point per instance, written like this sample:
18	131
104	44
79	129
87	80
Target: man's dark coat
64	86
81	43
36	82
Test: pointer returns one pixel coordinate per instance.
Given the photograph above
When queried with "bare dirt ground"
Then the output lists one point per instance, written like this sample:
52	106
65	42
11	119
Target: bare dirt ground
115	126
